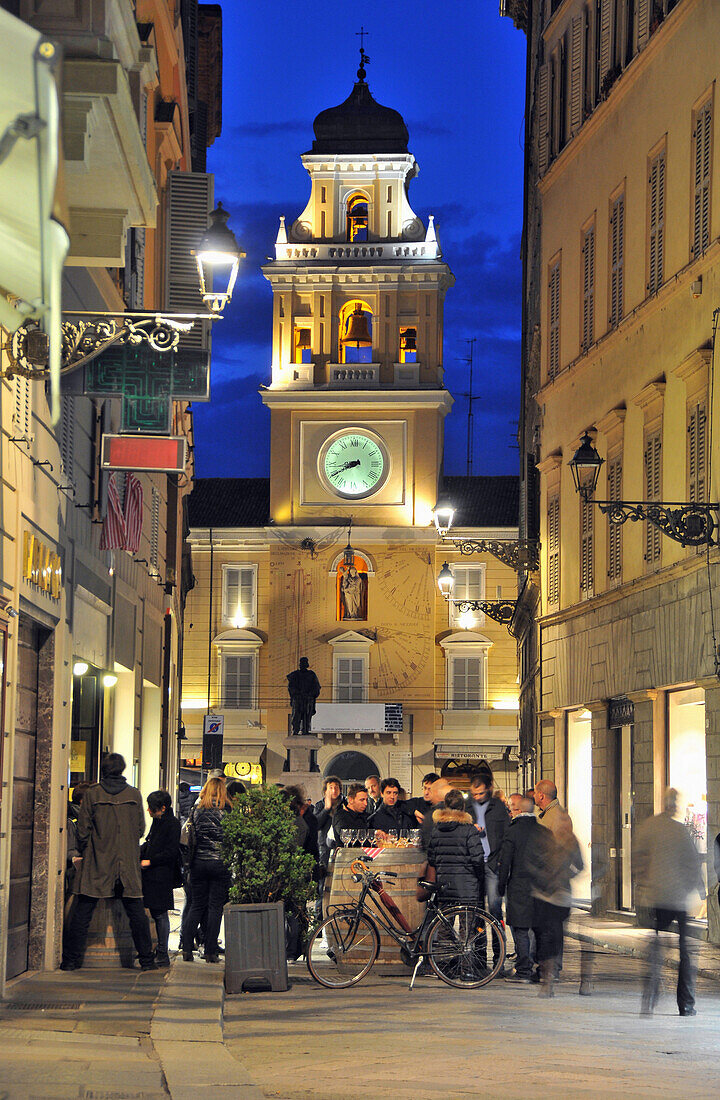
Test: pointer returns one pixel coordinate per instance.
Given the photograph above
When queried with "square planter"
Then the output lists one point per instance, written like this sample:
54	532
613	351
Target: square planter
255	948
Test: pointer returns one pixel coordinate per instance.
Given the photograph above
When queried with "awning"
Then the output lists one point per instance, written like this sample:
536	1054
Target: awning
33	242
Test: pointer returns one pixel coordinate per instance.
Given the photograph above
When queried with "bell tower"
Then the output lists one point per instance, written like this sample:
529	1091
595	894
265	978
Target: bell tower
357	398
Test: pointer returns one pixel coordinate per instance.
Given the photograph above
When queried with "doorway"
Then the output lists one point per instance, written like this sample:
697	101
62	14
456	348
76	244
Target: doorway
624	815
579	794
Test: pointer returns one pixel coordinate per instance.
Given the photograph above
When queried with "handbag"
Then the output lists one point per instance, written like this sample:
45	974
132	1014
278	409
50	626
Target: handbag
188	840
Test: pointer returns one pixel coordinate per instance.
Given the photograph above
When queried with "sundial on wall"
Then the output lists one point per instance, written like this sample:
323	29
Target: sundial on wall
400	655
406	581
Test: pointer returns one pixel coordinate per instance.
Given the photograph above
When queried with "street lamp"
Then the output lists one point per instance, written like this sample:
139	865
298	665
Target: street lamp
443	514
516	553
691	523
218	259
501	611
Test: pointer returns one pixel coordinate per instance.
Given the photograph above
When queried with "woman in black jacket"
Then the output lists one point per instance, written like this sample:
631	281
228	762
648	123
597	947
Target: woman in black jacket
209	877
159	858
456	853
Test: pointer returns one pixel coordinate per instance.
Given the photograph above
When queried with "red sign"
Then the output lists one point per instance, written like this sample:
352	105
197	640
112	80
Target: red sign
144	452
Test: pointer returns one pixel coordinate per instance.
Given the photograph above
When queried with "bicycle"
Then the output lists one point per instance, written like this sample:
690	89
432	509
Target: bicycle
457	940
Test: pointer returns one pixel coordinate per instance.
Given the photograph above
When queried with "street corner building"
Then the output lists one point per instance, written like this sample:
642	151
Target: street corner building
620	479
335	556
105	116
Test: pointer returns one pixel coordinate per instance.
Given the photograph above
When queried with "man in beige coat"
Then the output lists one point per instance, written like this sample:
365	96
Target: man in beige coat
667	872
551	814
109	826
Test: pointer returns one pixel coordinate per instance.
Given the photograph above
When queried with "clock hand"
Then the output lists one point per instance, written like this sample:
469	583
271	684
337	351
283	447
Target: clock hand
354	462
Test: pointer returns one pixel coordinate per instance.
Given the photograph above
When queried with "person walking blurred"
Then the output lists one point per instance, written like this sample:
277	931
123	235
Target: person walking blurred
667	871
553	859
209	877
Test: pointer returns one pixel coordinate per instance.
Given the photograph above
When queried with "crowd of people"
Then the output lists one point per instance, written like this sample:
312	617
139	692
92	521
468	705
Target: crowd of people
516	857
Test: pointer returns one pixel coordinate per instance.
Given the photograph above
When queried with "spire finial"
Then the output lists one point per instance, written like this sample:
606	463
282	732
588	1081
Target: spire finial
363	56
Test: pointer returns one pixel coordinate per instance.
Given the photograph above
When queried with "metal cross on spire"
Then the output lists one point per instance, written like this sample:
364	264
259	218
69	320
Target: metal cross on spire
363	56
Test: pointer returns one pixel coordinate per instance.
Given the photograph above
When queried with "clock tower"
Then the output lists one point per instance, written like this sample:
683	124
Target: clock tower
357	399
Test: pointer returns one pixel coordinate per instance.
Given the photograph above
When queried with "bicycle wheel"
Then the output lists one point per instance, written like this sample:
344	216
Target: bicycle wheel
465	946
342	950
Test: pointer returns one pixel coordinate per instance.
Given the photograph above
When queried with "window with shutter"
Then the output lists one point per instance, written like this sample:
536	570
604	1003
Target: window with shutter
189	201
238	681
67	438
543	117
614	529
554	321
239	591
469	585
702	180
653	491
22	418
656	206
617	260
350	679
155	529
607	13
587	573
553	550
643	22
577	81
697	447
588	316
467	683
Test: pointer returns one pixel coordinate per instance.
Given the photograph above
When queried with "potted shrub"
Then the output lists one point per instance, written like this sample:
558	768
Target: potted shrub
269	872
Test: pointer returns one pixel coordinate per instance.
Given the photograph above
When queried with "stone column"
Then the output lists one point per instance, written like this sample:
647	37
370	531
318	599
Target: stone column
643	755
546	762
301	753
604	875
712	750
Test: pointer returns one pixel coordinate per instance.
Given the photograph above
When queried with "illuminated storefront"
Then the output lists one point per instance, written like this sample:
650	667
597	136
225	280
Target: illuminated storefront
686	760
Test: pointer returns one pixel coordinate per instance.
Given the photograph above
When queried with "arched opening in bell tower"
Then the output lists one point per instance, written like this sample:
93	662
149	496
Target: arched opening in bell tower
355	340
356	217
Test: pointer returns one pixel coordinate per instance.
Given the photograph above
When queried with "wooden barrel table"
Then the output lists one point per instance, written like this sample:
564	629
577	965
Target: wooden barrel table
407	863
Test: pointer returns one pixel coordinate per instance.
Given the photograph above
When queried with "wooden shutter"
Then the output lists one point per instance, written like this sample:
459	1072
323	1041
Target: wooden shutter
554	320
653	484
67	438
22	418
577	75
587	572
607	9
467	683
543	118
553	550
588	318
617	259
703	165
643	22
697	449
350	687
238	681
614	529
189	201
656	202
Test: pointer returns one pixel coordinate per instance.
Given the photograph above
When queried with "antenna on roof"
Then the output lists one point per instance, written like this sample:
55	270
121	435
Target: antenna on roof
471	397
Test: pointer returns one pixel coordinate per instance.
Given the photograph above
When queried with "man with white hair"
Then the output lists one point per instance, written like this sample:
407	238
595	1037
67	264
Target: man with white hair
667	872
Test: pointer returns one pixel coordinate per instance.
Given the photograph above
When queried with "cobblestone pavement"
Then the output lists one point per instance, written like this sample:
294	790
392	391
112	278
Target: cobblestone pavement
502	1041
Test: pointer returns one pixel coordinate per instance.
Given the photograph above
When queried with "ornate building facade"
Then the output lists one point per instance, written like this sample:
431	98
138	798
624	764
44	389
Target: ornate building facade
336	557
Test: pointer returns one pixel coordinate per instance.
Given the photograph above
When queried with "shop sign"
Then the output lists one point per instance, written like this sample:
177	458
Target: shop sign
212	742
252	773
42	566
621	712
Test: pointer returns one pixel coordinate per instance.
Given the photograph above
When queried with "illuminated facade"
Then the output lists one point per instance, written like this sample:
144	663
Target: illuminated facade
622	278
357	407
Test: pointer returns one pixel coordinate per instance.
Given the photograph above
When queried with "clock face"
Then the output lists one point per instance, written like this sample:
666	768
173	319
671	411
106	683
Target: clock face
354	463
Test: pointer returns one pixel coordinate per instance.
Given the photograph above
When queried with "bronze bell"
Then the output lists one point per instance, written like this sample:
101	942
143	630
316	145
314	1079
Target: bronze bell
409	340
358	331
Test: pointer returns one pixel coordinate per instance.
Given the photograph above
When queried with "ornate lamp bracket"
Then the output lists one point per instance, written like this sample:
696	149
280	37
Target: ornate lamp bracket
501	611
516	553
690	523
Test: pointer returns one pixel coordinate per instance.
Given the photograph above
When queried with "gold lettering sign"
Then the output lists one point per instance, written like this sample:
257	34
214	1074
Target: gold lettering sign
42	566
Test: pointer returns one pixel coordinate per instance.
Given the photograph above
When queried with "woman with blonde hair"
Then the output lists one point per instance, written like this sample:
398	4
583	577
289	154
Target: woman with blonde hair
209	877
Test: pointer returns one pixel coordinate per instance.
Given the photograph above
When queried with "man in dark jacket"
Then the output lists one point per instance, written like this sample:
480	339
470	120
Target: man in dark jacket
160	863
324	810
110	823
186	801
352	816
391	814
422	805
456	852
492	819
515	881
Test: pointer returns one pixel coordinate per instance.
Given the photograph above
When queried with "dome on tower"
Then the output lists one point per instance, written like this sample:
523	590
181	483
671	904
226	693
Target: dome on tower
360	125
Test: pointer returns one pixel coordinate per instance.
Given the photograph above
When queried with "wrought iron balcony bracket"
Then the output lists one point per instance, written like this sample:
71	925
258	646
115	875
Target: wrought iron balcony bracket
87	335
690	523
516	553
501	611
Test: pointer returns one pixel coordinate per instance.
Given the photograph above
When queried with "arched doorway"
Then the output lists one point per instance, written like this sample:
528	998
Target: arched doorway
351	767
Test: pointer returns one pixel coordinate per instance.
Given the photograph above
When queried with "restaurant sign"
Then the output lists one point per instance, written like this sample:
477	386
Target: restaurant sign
42	566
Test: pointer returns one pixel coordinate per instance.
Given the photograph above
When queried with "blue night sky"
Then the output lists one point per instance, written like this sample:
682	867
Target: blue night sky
456	72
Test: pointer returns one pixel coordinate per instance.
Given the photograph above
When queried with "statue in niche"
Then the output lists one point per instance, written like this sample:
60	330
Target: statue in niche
353	594
303	689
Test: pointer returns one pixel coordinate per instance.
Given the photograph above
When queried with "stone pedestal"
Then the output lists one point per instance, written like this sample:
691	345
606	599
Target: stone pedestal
301	752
